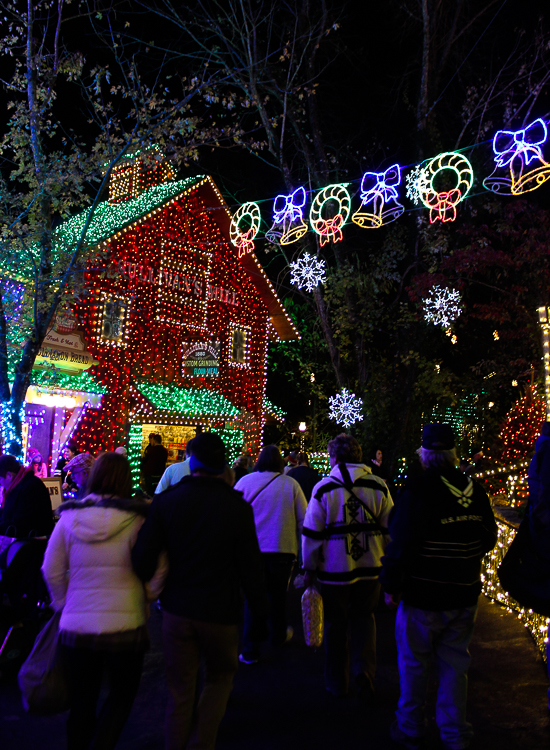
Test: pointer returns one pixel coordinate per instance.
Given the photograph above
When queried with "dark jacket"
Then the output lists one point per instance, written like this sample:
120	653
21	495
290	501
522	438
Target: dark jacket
539	474
306	477
208	532
438	540
27	508
154	460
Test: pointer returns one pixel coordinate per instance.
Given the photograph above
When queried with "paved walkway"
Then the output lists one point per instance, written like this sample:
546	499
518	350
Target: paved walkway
280	703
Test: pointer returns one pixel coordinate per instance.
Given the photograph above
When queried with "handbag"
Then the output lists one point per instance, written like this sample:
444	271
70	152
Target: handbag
5	544
42	678
312	617
524	574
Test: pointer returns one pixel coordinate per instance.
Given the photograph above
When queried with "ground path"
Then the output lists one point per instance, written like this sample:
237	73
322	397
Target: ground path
280	703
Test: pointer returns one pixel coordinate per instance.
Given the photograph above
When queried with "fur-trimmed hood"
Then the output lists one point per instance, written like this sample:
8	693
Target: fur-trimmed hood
96	518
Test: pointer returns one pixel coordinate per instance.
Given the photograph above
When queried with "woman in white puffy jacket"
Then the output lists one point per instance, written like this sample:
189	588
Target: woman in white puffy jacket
88	570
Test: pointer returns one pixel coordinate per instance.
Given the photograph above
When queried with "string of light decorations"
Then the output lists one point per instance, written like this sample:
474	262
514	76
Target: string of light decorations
537	625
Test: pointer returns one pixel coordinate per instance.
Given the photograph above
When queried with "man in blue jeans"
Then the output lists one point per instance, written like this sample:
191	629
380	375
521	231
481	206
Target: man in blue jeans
441	527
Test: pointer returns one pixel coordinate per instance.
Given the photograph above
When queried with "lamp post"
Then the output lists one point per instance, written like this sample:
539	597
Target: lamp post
544	320
302	427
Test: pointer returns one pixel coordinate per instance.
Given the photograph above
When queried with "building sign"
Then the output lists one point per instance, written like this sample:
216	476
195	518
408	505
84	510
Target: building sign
53	485
201	359
184	288
63	347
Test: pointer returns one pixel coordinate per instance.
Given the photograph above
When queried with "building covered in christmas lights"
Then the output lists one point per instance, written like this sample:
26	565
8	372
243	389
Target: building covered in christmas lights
173	328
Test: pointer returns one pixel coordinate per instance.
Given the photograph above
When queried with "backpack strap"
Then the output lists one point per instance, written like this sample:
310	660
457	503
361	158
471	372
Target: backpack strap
348	486
259	492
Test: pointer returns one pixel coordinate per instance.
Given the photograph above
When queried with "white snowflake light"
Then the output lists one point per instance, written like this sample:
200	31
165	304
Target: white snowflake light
418	181
442	306
345	408
308	272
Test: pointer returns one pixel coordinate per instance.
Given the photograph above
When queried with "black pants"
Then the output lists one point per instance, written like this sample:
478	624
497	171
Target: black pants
278	568
86	729
349	610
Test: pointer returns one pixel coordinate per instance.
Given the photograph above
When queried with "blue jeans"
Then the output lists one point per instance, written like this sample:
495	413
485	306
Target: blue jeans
445	636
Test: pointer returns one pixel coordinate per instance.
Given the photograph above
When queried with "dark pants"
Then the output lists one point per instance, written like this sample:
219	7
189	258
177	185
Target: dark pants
349	609
186	642
87	730
278	569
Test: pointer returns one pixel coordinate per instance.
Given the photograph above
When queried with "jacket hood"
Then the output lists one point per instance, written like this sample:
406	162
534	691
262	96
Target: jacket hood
96	518
355	471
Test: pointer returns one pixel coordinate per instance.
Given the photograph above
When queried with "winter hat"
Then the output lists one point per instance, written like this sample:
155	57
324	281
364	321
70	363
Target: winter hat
81	462
122	450
438	437
32	452
208	454
545	429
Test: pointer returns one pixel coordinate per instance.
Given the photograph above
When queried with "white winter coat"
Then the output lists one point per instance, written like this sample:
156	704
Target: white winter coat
88	569
279	510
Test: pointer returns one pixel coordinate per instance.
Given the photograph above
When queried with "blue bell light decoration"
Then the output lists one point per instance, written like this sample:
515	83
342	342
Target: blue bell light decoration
520	164
288	218
379	198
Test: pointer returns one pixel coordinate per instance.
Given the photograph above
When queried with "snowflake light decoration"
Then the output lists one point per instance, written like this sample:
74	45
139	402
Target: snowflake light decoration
418	181
442	306
345	408
308	272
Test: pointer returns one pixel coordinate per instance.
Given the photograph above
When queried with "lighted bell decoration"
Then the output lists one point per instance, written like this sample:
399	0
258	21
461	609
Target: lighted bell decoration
288	218
379	199
520	164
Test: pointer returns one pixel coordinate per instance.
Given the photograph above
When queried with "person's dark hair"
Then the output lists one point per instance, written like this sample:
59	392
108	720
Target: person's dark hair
110	475
302	458
8	464
270	459
208	450
157	438
189	447
345	449
71	446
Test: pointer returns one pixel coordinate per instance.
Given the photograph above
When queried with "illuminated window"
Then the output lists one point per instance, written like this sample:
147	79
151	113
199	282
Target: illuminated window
113	319
238	354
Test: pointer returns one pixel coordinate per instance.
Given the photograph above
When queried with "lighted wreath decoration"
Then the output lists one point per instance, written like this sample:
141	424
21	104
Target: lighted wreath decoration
442	204
244	241
330	229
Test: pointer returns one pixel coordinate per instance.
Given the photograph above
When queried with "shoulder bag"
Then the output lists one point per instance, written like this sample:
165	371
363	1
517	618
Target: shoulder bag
42	678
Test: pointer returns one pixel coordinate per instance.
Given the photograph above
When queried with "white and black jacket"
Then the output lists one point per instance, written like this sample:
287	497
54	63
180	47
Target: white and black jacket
344	537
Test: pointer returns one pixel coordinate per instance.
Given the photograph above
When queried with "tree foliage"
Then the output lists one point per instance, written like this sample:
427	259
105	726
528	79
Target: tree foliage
326	100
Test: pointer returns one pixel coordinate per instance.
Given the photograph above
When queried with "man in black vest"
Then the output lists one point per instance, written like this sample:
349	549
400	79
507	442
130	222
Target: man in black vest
441	528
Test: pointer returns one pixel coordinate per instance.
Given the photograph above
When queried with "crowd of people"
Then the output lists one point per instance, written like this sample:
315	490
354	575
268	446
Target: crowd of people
204	537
